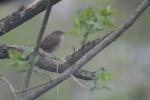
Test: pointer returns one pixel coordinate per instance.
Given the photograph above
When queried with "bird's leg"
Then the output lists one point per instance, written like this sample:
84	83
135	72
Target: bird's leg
53	57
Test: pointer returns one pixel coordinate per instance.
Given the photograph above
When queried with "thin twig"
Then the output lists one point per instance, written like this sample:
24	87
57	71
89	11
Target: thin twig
88	56
29	89
2	78
36	49
22	15
48	65
57	87
85	37
79	83
106	41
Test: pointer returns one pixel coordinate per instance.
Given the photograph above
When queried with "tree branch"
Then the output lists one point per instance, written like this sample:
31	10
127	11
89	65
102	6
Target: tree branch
23	14
36	49
46	64
51	65
81	60
2	78
89	55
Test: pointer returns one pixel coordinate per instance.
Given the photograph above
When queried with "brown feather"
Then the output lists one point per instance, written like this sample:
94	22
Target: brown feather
51	42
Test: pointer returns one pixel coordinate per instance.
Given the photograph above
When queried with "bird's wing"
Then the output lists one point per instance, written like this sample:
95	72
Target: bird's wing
49	43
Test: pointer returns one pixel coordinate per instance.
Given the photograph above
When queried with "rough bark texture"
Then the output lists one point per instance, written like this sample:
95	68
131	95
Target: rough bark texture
22	15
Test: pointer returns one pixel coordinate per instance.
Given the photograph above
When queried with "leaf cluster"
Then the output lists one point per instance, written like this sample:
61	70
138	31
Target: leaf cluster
100	79
19	58
92	20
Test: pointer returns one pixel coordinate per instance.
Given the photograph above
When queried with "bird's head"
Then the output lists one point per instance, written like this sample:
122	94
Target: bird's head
57	33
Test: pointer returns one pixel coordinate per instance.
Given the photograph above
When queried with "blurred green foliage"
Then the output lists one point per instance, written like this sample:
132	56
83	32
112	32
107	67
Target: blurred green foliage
19	58
100	79
15	58
91	20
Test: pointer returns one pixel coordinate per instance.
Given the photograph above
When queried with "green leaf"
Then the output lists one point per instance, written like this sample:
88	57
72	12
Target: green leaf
105	11
86	13
107	22
100	79
14	54
105	76
26	52
89	20
76	22
15	57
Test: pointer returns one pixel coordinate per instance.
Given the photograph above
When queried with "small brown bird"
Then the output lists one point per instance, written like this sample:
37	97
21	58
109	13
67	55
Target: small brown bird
52	41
